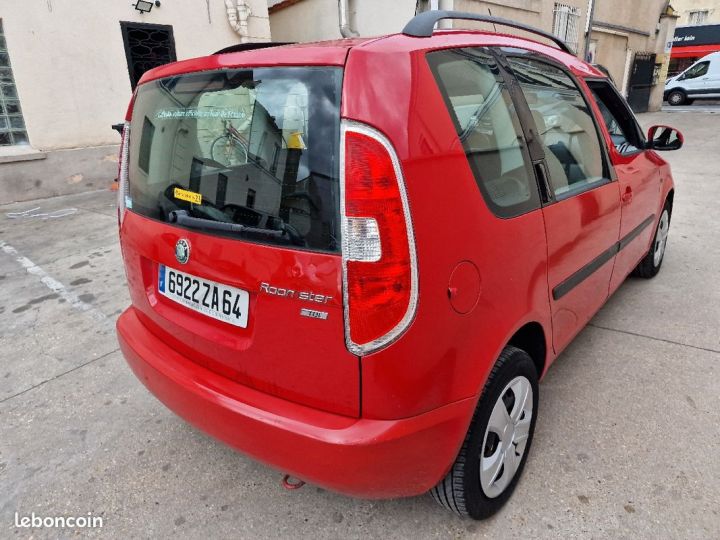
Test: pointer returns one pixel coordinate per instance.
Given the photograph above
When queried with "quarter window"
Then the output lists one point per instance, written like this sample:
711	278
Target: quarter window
567	131
488	128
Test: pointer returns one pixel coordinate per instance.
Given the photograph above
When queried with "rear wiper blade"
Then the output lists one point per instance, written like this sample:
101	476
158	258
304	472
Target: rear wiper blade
182	217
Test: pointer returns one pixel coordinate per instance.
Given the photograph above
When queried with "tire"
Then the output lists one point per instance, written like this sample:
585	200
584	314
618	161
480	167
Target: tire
465	490
676	97
650	265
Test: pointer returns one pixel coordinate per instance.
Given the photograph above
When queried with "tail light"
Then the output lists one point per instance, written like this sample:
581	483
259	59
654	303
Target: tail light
379	262
123	185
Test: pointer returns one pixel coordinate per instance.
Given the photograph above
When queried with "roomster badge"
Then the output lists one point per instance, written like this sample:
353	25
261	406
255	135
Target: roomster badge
182	251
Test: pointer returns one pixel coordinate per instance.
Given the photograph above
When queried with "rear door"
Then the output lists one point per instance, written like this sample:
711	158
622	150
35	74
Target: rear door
582	216
231	238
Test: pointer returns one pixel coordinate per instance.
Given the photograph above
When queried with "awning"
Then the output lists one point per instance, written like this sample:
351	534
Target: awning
693	51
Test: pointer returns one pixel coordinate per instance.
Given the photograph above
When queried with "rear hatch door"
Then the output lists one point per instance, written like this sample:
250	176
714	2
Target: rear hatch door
232	234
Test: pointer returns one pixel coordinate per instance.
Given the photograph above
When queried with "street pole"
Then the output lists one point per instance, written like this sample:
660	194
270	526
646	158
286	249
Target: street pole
588	27
444	5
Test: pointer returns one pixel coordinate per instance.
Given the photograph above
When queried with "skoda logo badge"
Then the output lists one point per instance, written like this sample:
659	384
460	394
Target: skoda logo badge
182	251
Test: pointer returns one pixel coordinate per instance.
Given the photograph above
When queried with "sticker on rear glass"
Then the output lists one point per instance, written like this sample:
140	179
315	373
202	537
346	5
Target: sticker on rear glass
189	196
171	114
128	202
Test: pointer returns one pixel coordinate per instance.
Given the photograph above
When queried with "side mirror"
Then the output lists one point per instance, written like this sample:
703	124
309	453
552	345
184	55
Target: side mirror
664	138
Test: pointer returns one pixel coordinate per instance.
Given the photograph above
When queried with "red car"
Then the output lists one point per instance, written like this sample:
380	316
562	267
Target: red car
354	260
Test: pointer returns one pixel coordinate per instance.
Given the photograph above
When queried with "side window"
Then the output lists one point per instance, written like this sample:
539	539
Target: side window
698	70
488	127
573	151
618	118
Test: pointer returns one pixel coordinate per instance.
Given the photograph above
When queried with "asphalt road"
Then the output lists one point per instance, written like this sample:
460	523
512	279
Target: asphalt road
626	443
699	106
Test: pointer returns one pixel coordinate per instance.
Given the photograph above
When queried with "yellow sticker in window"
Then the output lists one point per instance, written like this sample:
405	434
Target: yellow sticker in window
189	196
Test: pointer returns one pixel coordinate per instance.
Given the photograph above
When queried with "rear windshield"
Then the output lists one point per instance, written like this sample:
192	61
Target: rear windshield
245	153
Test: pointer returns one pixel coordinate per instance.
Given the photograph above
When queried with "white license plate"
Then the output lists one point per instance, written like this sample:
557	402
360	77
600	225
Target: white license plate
221	302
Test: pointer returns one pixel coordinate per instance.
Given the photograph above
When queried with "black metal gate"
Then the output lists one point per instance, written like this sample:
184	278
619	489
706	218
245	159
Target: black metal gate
641	81
146	46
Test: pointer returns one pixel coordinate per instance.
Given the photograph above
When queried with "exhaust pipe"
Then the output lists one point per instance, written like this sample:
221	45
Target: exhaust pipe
291	484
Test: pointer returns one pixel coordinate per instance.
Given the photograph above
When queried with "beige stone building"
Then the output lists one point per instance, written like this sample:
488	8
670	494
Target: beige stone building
697	33
622	32
694	12
67	70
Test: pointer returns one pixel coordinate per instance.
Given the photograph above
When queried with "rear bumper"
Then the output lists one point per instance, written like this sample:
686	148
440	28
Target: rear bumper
359	457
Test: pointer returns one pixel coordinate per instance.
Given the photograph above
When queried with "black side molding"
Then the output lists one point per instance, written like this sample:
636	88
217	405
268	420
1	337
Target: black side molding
422	25
586	271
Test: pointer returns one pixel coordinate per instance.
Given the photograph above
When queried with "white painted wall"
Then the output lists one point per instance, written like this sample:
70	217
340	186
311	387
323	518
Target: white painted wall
317	20
69	60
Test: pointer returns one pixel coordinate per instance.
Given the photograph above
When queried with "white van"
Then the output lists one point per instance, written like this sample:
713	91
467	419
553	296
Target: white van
699	81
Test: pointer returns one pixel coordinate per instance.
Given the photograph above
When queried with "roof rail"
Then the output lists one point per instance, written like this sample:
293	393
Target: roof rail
422	25
251	46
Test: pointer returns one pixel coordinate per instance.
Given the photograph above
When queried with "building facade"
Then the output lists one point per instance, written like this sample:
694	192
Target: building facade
696	12
697	33
631	39
691	43
67	71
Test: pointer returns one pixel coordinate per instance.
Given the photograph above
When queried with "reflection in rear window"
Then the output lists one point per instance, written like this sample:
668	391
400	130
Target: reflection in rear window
250	147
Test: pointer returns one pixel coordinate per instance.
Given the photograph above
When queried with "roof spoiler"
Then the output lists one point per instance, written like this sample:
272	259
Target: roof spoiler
252	46
422	25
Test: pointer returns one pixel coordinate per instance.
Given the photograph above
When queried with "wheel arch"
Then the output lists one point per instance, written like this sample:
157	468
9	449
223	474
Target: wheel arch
669	200
531	338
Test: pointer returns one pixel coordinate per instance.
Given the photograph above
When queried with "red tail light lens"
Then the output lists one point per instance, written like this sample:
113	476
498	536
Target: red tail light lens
378	244
124	201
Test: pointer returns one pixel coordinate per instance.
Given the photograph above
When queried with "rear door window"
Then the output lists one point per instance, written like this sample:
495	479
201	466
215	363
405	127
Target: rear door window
487	124
246	153
573	152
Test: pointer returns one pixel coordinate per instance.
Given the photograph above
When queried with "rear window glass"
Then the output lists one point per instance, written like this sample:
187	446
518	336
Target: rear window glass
246	153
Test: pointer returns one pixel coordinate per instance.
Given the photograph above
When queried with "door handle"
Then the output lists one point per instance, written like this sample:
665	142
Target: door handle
627	196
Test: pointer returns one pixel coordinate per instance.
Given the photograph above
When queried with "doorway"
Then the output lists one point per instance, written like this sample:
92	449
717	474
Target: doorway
641	81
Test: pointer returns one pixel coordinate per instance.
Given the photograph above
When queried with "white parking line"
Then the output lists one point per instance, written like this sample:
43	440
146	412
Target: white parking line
52	283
